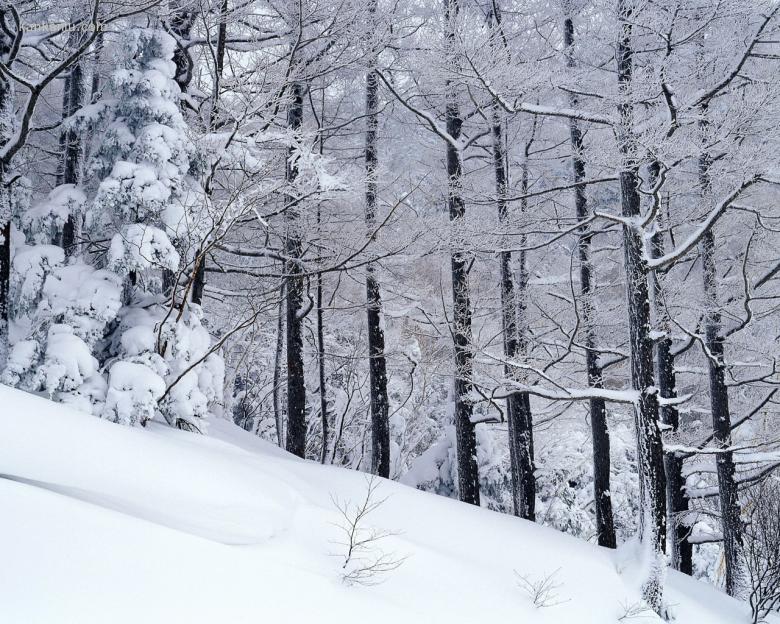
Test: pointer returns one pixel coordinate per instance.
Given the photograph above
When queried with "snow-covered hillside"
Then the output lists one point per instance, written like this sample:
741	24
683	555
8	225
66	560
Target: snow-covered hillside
103	523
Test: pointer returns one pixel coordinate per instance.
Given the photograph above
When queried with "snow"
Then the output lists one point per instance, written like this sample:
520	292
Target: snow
142	247
133	391
103	523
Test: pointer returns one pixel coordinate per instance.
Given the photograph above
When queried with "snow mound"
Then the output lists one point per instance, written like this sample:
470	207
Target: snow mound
104	523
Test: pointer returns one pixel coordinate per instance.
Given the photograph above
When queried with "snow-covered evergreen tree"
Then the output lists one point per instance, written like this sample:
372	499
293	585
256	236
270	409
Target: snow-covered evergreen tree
106	338
159	356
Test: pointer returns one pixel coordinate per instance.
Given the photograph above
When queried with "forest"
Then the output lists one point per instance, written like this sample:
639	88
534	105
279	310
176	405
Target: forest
524	254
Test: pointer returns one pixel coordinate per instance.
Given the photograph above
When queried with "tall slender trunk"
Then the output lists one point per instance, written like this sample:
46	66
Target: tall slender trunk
518	406
323	391
377	366
199	279
5	275
460	260
181	22
605	524
97	52
278	415
6	130
677	503
650	447
293	245
73	98
731	525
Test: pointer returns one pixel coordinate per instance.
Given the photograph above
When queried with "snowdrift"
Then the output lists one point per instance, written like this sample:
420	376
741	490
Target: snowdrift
104	523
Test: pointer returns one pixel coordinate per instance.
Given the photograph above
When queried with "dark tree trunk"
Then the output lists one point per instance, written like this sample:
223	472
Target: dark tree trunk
677	500
650	447
5	281
6	130
72	150
518	406
182	20
199	279
605	524
460	260
278	415
296	390
523	435
323	389
677	503
94	87
731	525
377	366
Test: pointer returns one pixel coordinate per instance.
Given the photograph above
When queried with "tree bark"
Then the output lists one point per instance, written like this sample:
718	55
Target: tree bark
296	390
377	365
73	99
649	444
605	524
323	390
278	352
199	279
6	130
731	525
182	20
518	406
460	260
677	504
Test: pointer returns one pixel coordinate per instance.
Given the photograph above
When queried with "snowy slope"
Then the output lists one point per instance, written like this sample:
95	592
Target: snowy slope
103	523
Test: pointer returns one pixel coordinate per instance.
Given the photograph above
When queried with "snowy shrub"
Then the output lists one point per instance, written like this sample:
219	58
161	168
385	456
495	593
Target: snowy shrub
31	266
565	482
62	313
83	297
43	223
173	346
142	247
435	470
133	392
761	550
364	561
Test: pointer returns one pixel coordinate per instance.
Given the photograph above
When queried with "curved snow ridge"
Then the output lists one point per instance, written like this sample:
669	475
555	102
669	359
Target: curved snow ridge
174	480
232	526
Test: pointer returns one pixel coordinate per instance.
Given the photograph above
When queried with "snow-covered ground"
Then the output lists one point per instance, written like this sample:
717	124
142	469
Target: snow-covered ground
104	523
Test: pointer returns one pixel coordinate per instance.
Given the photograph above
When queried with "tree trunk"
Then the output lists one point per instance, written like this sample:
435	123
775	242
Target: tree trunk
460	260
296	390
323	391
181	22
677	503
94	88
5	278
518	406
731	525
605	524
677	500
377	366
199	279
652	479
6	130
72	149
278	415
